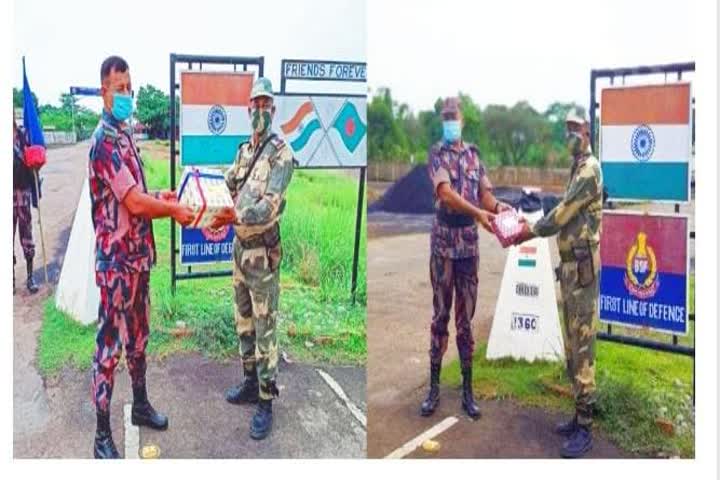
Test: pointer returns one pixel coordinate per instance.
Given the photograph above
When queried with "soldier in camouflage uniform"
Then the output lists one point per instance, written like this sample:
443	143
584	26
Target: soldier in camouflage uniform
23	182
122	210
577	221
258	181
463	198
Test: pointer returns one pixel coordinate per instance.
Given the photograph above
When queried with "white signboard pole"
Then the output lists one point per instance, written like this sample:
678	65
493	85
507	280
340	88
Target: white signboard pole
526	324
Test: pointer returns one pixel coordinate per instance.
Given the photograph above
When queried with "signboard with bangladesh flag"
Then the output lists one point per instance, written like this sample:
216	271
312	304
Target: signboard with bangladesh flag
324	130
645	142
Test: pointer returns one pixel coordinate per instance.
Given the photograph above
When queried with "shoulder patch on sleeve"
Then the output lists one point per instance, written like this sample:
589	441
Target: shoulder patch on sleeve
278	142
435	148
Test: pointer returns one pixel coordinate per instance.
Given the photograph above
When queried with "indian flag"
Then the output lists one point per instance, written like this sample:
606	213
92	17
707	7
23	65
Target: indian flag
527	257
645	142
213	116
301	126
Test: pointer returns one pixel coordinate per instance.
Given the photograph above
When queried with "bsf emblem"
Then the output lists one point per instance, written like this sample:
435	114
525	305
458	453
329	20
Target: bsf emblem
641	276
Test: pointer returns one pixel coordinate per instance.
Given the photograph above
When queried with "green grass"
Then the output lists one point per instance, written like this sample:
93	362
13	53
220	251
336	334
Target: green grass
635	386
63	341
317	322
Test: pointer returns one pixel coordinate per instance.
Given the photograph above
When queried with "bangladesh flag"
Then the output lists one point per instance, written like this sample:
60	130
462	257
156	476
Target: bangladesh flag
350	126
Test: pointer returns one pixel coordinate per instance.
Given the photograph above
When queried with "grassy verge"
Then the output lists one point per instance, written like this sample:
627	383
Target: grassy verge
637	390
317	320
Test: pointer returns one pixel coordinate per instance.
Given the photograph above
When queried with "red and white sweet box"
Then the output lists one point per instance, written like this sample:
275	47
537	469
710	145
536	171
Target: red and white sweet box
507	227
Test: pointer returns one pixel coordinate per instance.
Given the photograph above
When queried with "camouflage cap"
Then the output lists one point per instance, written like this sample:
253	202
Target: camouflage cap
450	105
576	115
262	88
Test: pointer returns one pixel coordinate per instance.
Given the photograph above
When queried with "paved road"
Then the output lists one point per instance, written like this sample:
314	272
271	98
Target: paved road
54	417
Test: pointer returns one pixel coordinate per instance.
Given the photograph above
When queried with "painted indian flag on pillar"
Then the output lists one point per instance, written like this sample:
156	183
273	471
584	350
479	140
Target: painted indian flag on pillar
213	116
645	142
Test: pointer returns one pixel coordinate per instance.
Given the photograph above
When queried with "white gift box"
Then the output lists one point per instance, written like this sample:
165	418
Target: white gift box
204	190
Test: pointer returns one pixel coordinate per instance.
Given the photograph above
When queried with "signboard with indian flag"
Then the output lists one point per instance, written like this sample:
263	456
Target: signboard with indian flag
214	116
645	142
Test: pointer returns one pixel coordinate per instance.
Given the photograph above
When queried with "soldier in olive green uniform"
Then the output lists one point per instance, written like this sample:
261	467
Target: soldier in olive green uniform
258	181
577	221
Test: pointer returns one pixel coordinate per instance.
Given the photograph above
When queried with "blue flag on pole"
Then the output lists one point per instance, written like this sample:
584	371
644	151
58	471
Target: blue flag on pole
33	129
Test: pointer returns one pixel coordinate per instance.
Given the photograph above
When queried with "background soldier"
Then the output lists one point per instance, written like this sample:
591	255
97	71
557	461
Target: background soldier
23	184
122	210
258	181
463	198
577	221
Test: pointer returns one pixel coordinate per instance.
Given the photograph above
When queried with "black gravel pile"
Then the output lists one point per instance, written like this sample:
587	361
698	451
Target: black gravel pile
413	194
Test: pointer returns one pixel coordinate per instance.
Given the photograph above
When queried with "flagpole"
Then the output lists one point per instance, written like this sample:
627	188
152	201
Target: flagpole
42	235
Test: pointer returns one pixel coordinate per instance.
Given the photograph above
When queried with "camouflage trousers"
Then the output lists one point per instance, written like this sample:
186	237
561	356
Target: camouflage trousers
122	321
579	287
256	280
22	220
460	276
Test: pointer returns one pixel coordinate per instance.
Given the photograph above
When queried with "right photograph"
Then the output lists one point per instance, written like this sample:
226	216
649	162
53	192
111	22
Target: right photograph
531	231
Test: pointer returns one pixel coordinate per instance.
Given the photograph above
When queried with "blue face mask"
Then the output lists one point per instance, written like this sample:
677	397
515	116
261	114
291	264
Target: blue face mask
122	106
451	130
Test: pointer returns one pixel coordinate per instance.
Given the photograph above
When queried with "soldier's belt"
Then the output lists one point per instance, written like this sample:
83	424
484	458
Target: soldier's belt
454	220
577	253
269	238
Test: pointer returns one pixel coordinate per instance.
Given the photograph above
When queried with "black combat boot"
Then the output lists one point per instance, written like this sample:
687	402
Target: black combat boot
143	413
468	401
567	428
246	392
104	446
579	443
262	420
433	398
31	286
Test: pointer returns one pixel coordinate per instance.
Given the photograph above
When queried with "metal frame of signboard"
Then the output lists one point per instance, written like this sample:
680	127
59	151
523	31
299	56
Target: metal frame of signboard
363	169
676	69
190	61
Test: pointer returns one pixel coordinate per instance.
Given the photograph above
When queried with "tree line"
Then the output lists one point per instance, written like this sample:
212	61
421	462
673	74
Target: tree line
152	108
506	136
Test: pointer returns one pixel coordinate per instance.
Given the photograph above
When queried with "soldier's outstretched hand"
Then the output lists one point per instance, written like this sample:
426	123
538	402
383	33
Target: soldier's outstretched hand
168	195
526	233
225	216
485	219
183	214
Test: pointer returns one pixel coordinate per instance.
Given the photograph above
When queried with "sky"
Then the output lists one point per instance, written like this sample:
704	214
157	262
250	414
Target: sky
501	52
67	43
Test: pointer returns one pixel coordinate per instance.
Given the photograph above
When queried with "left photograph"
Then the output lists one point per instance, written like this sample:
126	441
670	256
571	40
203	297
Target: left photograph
189	237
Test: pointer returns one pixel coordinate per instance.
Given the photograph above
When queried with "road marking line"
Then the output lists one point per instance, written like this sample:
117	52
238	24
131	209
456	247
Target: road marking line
433	432
354	410
132	435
